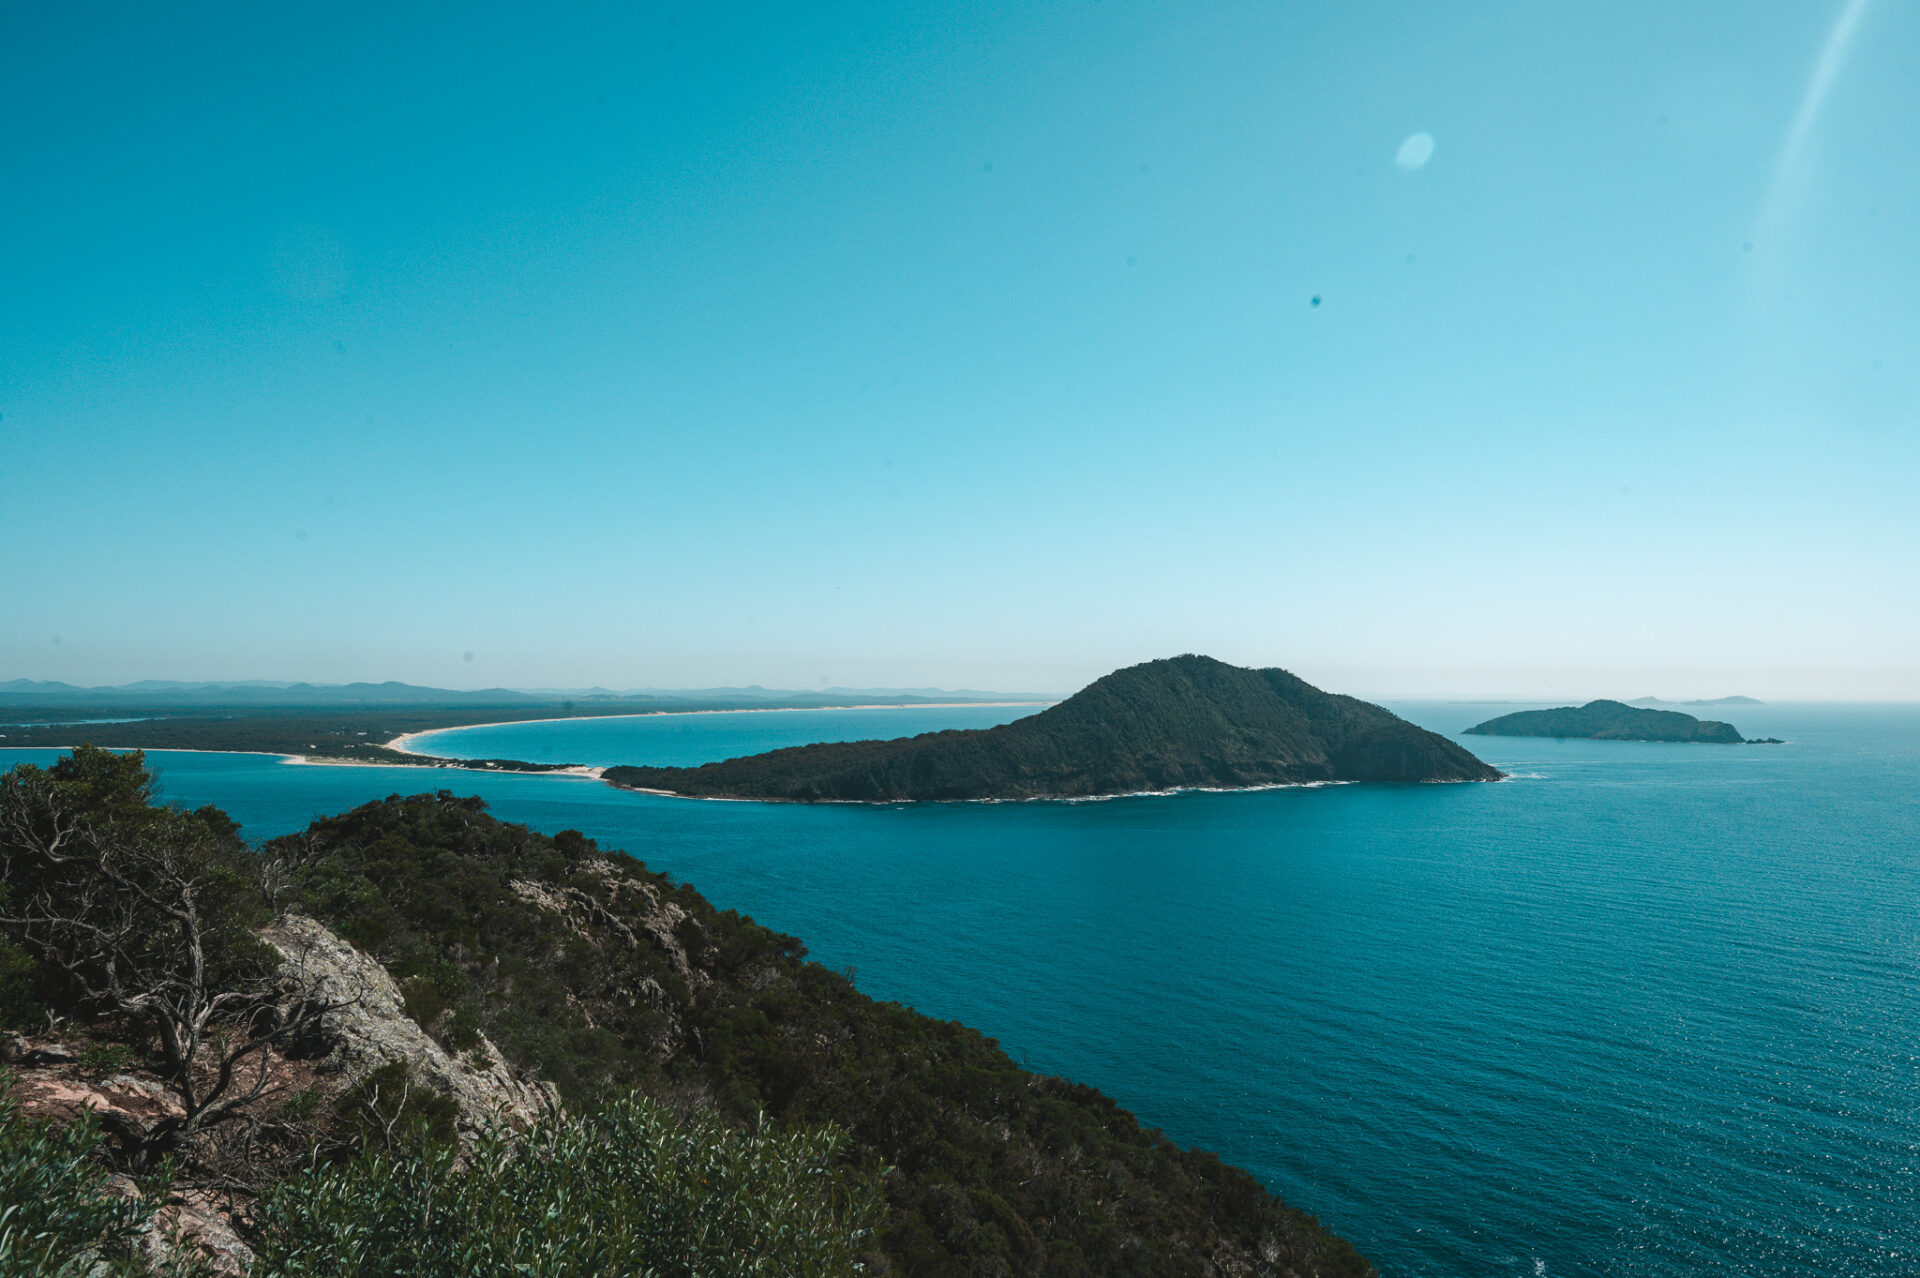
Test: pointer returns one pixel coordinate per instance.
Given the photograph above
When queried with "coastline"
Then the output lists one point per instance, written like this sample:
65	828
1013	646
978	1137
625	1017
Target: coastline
577	770
403	742
1027	798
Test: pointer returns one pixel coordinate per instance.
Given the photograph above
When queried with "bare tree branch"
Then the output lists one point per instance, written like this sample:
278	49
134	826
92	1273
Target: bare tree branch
119	906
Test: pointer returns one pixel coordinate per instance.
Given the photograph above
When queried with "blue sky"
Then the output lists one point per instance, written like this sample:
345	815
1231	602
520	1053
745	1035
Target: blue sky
963	344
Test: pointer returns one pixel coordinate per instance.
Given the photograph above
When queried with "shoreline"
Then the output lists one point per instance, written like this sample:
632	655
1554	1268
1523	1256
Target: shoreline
577	770
1029	798
403	743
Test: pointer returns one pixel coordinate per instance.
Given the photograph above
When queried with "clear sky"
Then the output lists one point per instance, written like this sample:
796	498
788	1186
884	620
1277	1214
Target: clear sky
964	344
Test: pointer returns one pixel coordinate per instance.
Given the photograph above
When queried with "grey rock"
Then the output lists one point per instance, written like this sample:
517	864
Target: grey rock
370	1028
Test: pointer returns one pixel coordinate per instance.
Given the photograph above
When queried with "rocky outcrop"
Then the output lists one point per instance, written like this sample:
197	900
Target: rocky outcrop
192	1225
370	1028
649	918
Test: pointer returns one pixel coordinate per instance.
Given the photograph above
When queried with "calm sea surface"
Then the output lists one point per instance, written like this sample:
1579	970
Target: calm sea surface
1644	1009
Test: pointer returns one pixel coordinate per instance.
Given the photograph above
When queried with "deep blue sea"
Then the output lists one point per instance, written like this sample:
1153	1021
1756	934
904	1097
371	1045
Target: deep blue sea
1642	1010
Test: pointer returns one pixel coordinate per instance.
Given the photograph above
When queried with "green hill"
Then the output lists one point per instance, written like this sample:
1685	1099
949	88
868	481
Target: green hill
1182	722
1609	721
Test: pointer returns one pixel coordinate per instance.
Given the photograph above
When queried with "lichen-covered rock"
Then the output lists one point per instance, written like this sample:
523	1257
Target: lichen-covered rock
370	1028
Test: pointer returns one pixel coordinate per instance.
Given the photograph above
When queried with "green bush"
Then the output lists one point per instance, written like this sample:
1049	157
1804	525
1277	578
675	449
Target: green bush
636	1190
57	1218
386	1113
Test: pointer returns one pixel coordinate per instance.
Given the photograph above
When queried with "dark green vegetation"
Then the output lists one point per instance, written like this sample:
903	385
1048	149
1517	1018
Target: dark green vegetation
1185	721
635	1189
777	1093
1609	721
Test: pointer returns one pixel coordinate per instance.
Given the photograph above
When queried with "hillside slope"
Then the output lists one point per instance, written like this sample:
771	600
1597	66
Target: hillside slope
430	965
1187	721
587	969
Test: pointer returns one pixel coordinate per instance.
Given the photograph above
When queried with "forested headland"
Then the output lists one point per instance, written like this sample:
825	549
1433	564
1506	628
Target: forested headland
1188	721
413	1039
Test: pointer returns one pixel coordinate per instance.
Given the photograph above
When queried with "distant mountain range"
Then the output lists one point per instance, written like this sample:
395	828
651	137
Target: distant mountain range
1183	722
1709	701
165	693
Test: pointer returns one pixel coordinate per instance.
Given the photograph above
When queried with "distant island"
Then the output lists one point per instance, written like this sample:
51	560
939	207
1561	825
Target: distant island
1704	701
1613	721
1178	723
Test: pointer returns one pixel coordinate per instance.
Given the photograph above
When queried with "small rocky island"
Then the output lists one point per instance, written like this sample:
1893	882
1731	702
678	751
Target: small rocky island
1614	721
1178	723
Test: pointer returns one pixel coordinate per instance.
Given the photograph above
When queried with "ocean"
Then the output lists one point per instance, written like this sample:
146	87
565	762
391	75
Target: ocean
1641	1010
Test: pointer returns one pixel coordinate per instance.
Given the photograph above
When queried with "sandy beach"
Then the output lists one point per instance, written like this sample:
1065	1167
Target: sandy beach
404	742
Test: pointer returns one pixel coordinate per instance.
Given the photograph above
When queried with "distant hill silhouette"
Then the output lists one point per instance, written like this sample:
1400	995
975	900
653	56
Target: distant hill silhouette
1609	721
1187	721
166	693
173	696
1704	701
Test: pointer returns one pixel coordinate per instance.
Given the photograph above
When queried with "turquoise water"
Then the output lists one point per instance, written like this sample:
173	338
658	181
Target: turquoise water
1643	1010
674	740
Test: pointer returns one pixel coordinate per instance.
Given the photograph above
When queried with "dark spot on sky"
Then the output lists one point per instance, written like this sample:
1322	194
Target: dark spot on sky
339	347
466	656
1133	261
55	640
1747	247
987	167
1316	299
301	534
1146	168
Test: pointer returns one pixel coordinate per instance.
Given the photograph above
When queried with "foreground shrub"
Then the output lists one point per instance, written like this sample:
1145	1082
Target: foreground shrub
637	1190
57	1217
